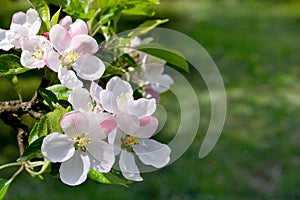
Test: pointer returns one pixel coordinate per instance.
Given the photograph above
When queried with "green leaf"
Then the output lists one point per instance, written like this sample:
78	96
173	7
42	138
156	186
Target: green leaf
62	3
32	151
55	17
79	9
171	56
98	176
147	26
113	177
4	185
60	91
49	97
49	123
43	10
112	71
10	65
33	135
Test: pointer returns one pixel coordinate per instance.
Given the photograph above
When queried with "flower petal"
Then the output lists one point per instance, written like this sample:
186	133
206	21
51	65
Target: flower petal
78	27
80	99
151	152
95	90
66	22
128	167
102	155
89	67
108	101
128	123
142	107
106	122
74	123
74	171
148	126
52	60
68	78
57	147
84	44
118	86
60	38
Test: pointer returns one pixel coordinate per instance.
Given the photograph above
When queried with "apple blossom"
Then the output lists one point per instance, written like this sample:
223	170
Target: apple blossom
81	147
22	27
149	151
34	51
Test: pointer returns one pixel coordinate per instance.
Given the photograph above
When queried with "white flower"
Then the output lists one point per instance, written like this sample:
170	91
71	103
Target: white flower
74	49
79	149
149	151
34	52
118	99
22	27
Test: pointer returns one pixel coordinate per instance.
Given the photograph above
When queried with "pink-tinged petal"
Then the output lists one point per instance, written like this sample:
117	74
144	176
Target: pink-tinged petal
74	171
84	44
52	60
66	22
78	27
58	147
95	90
149	93
108	101
108	125
60	38
142	107
148	126
128	167
19	18
102	156
151	152
80	99
128	123
89	67
68	78
74	123
118	86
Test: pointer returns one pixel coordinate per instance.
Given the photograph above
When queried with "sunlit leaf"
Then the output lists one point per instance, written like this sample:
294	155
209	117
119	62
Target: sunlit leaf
60	91
55	17
43	10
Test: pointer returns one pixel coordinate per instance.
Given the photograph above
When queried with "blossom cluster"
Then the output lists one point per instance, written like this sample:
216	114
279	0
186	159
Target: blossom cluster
106	124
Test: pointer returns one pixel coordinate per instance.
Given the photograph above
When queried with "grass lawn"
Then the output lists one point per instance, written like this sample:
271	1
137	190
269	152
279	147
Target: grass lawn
255	45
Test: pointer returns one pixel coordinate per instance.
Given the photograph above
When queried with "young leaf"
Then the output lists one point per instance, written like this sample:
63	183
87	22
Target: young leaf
79	9
10	65
60	91
49	123
171	56
113	177
55	18
43	10
32	151
147	26
4	185
98	176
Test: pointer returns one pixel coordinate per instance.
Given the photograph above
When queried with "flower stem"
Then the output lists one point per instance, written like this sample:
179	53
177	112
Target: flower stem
10	165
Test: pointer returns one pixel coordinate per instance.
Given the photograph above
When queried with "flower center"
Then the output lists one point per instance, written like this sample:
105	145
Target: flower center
81	141
128	141
38	54
69	58
122	99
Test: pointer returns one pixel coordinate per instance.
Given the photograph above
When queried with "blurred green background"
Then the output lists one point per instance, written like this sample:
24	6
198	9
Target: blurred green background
255	45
